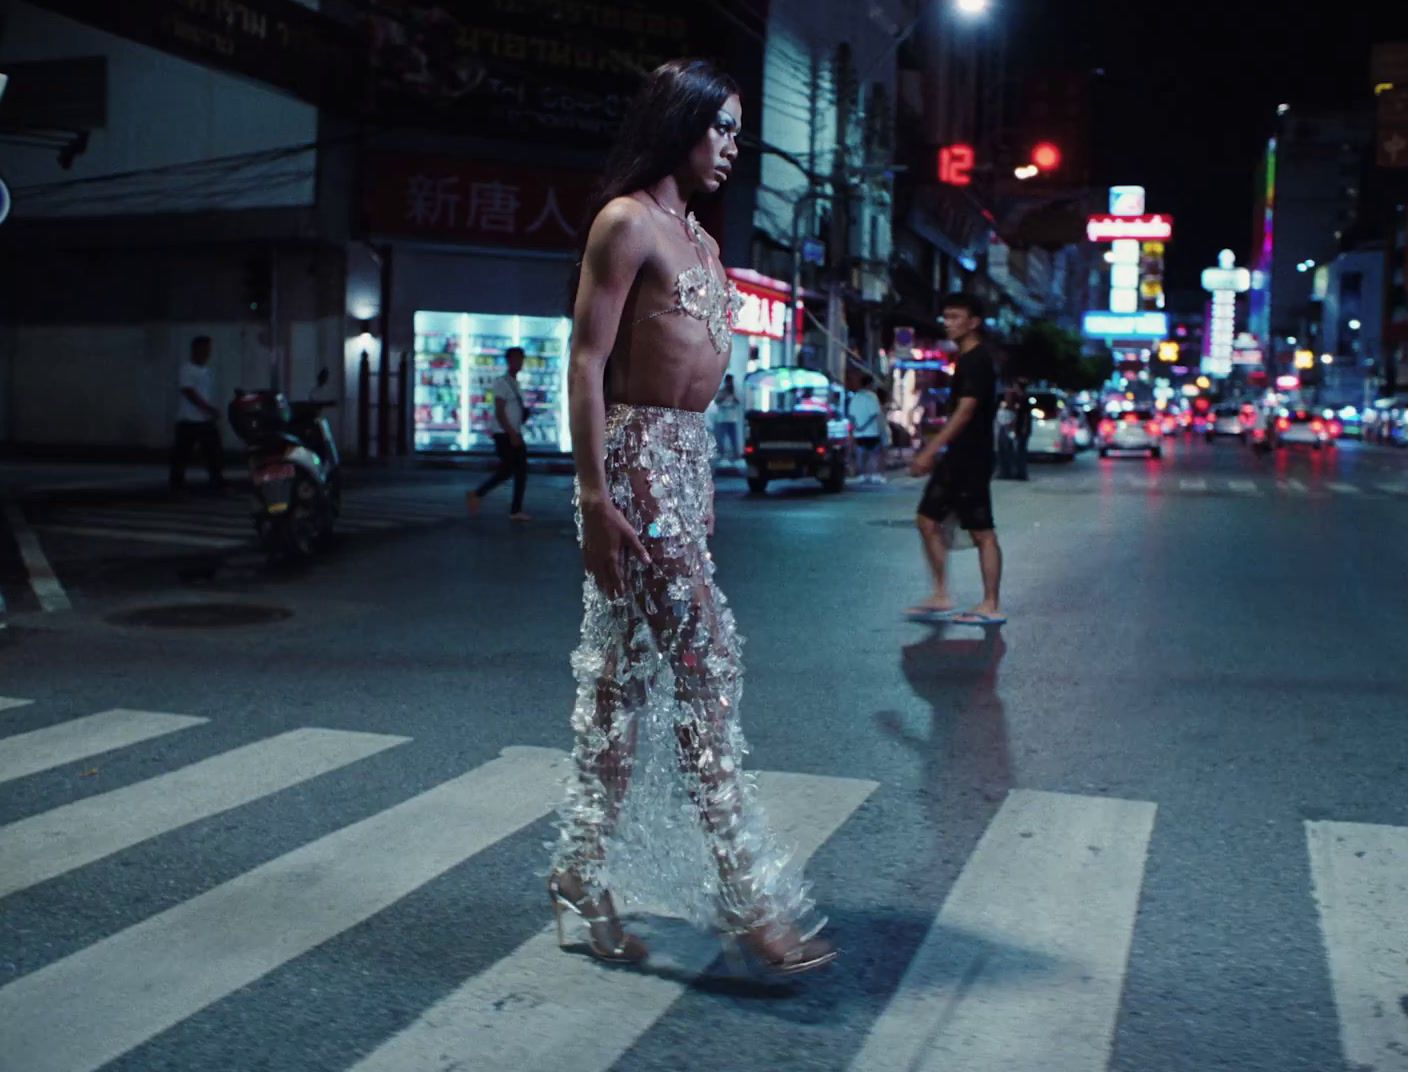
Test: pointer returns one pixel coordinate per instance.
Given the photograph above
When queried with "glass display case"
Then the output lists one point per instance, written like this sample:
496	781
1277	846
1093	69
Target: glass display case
458	356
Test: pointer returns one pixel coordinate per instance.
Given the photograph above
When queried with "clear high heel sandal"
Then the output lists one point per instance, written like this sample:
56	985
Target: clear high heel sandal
747	952
627	950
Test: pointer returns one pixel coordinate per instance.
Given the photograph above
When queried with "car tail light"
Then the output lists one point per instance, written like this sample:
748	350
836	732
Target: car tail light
1107	428
748	448
1282	423
1318	427
1153	427
1336	429
821	450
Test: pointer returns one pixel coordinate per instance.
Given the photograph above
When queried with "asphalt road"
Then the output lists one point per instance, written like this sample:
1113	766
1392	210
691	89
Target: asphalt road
1157	822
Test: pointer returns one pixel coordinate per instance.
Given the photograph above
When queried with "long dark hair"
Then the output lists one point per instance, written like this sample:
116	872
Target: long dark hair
664	122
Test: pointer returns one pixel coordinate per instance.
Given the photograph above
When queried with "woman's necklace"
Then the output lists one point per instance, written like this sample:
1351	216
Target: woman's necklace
691	227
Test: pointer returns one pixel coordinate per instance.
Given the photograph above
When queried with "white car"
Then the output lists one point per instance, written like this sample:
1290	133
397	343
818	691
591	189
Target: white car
1135	430
1054	425
1306	428
1231	419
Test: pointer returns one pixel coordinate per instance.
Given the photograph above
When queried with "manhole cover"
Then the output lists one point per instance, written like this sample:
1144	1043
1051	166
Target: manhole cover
201	615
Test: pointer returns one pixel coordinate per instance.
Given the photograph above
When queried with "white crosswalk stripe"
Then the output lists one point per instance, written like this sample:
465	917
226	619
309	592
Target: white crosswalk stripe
1292	485
1341	488
409	508
24	754
1193	484
1243	487
225	524
142	536
1393	489
9	702
76	834
92	1006
1025	963
1360	873
211	524
570	1012
359	522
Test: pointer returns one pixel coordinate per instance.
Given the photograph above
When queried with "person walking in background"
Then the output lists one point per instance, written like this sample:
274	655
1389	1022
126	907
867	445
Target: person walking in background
197	418
510	415
728	409
867	426
1021	429
960	483
1007	435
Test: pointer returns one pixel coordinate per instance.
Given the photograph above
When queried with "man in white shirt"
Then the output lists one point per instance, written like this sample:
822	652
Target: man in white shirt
197	417
727	410
867	426
510	414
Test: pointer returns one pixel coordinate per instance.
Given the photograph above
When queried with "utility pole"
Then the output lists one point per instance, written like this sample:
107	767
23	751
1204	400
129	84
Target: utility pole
840	217
792	337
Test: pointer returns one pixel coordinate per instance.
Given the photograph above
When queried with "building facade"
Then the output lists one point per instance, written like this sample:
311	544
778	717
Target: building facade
182	200
1308	190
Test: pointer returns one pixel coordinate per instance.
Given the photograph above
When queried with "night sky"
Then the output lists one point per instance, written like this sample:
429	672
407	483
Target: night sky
1189	91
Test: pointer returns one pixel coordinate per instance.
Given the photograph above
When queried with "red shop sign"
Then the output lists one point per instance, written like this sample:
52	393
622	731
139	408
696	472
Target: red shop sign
764	311
478	201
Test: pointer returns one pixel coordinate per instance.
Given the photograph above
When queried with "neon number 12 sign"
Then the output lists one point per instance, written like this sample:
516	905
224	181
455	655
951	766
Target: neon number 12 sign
956	164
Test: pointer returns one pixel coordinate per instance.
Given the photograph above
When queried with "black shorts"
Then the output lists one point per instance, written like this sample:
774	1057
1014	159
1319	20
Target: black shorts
965	492
868	442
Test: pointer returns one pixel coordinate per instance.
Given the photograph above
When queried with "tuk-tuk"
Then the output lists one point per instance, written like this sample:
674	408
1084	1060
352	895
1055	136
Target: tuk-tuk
797	428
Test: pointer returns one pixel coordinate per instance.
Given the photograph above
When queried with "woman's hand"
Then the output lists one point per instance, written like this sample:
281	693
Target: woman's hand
607	537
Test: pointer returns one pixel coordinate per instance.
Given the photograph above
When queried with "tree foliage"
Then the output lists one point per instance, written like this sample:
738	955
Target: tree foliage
1049	353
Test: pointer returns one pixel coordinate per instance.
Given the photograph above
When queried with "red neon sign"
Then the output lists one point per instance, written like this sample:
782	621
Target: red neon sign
956	164
1107	228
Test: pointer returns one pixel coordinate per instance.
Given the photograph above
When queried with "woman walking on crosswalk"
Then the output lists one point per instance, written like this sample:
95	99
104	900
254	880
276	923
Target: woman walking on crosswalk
659	813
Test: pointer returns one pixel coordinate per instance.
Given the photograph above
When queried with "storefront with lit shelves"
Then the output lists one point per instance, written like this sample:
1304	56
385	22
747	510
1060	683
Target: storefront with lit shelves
475	256
459	355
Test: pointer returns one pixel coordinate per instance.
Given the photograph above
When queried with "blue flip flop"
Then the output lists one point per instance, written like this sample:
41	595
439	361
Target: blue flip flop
974	618
931	615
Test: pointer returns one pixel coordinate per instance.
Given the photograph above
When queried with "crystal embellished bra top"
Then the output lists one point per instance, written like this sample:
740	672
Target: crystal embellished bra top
700	293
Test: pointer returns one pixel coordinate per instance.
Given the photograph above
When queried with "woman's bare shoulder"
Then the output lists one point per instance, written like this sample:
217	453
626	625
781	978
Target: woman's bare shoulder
621	217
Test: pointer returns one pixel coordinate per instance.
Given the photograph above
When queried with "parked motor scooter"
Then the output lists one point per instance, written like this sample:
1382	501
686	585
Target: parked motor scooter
294	466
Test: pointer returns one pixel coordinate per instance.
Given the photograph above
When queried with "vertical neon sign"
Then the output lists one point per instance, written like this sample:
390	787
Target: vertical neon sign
1259	305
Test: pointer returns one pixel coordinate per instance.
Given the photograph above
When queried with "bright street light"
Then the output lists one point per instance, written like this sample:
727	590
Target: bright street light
974	7
1354	325
1029	171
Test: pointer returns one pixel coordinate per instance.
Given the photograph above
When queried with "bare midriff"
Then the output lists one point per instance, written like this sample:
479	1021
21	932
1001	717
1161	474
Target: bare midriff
667	360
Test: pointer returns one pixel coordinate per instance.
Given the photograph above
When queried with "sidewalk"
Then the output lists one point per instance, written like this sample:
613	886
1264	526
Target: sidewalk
29	481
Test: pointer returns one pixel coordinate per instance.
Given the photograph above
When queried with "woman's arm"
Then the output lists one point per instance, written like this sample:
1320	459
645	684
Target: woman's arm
617	247
616	250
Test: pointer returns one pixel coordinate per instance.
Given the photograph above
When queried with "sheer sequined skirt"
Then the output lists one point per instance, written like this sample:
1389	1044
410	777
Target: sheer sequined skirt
659	810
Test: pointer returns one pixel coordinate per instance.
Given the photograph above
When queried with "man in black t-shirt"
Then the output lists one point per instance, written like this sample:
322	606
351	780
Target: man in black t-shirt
959	488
